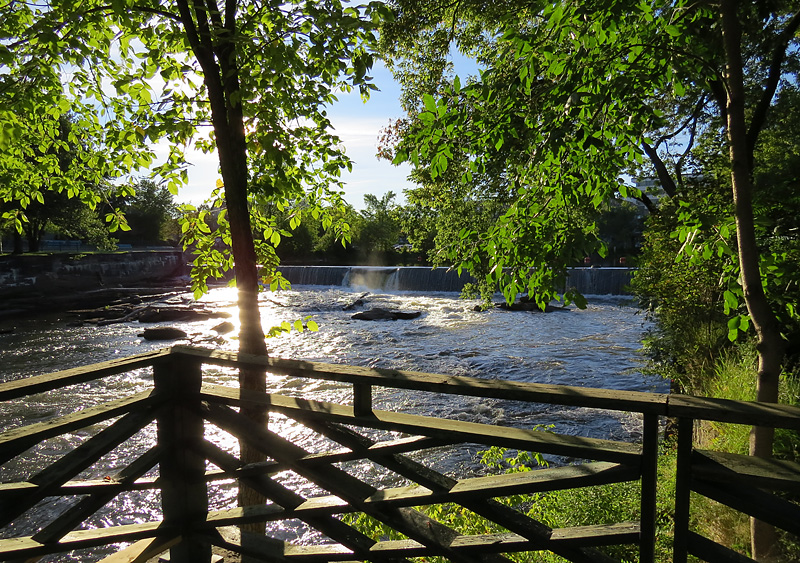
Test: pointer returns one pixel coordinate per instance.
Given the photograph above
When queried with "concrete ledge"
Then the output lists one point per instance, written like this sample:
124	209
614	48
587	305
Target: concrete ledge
82	272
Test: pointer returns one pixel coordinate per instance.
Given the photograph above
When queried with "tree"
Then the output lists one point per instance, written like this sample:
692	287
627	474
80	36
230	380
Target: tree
381	229
584	101
259	73
46	182
151	214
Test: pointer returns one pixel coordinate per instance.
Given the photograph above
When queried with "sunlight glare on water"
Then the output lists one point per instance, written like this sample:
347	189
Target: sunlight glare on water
595	347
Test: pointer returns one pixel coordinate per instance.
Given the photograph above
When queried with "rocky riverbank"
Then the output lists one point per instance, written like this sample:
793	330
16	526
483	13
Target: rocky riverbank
31	303
46	283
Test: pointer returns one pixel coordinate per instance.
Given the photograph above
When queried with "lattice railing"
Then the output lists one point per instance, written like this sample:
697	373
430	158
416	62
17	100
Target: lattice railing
170	433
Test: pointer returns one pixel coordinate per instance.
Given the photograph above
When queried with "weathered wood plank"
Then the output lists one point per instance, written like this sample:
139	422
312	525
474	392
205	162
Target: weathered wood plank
759	504
407	521
142	550
451	430
598	535
111	486
494	388
72	463
738	412
683	480
540	480
184	493
47	382
11	548
16	440
74	515
708	550
649	489
773	474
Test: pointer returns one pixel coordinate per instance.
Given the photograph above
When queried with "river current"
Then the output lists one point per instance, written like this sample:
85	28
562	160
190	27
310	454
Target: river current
595	347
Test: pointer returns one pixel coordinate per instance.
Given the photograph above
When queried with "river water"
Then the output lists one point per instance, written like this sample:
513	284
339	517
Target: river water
595	347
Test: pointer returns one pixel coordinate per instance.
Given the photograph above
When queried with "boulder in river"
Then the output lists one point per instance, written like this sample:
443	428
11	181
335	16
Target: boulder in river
379	314
162	333
529	306
183	314
223	328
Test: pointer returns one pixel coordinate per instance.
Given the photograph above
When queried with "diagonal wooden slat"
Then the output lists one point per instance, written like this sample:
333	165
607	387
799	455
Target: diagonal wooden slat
72	517
141	551
405	520
52	477
331	527
15	441
492	510
452	430
12	548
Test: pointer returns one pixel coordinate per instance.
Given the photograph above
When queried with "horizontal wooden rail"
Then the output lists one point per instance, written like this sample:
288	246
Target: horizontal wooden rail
26	386
472	432
608	399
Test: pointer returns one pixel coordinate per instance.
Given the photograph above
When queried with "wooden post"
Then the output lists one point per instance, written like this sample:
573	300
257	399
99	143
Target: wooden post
647	522
683	478
362	399
184	494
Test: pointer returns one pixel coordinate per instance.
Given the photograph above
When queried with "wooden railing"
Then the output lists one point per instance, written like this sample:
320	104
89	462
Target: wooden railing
185	410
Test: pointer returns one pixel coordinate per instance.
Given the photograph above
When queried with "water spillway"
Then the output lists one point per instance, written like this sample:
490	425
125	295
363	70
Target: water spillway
589	281
412	278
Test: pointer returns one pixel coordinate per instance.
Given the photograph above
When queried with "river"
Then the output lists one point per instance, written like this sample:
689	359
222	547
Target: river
595	347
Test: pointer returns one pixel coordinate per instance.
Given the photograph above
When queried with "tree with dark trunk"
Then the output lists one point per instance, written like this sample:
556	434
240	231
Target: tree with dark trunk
575	94
259	73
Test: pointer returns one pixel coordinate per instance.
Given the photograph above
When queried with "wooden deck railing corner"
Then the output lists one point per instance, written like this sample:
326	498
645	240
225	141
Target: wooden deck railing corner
185	409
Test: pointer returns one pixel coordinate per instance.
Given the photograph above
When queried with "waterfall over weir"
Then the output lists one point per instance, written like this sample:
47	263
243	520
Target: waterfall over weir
589	281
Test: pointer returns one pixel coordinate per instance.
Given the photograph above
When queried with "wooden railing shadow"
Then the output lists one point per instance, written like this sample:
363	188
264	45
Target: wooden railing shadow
182	462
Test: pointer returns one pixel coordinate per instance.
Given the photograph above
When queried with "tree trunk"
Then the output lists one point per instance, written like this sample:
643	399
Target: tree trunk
17	242
770	343
34	236
214	46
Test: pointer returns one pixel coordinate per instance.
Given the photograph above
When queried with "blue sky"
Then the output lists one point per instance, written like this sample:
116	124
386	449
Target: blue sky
358	124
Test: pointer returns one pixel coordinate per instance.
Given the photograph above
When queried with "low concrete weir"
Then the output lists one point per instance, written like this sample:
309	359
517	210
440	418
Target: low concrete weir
69	272
589	281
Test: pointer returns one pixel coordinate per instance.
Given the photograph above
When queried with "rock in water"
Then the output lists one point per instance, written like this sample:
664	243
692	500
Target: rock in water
183	314
162	333
379	314
223	328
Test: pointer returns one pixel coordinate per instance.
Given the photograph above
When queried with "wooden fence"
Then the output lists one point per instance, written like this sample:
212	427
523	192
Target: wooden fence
188	463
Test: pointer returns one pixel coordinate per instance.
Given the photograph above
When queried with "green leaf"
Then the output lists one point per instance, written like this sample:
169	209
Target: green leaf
429	103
